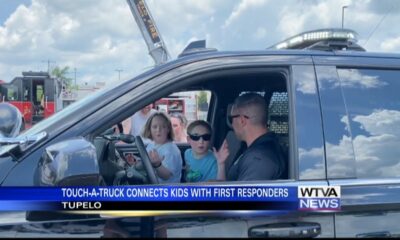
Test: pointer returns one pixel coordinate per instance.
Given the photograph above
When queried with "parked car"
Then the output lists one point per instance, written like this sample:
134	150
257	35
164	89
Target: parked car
336	114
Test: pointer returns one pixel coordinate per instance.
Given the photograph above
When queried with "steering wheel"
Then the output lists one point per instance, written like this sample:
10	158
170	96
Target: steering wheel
151	175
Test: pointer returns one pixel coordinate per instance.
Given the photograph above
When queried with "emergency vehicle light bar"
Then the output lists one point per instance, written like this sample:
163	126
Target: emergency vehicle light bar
309	38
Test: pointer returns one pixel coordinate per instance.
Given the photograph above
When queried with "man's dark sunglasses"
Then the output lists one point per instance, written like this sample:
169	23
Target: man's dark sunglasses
205	137
231	117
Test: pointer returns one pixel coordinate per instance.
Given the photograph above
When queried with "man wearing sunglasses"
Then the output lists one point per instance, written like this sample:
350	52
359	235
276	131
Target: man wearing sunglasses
263	159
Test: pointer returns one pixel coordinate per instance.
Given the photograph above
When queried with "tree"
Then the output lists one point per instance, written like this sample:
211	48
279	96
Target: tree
202	101
61	74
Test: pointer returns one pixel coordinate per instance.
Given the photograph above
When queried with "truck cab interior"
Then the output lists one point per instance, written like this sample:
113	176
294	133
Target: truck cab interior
224	87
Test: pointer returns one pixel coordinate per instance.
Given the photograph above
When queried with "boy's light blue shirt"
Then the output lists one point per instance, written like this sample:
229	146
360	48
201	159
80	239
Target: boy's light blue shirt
201	170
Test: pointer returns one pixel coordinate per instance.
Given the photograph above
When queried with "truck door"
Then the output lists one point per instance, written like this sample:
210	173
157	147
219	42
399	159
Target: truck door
26	100
49	97
361	117
37	99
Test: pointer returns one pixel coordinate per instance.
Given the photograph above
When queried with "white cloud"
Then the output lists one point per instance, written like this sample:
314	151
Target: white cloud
376	152
346	122
260	33
95	34
312	153
380	122
349	78
376	155
67	24
353	78
311	158
243	6
309	15
380	151
183	21
315	172
391	44
390	170
85	34
340	155
305	83
291	23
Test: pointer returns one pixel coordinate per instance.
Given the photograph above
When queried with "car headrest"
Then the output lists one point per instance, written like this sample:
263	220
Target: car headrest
228	113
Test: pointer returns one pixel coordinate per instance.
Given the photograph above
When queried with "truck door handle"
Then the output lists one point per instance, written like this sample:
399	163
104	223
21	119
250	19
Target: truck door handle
374	234
286	229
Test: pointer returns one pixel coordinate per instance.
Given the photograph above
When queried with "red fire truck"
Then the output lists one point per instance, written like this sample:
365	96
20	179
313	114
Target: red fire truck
184	103
35	94
171	105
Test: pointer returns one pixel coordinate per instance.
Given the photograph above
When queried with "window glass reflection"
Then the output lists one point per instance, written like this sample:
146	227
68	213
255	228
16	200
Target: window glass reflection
373	102
308	125
338	145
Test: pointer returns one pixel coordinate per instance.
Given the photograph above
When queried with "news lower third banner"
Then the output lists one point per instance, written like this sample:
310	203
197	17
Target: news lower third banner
174	198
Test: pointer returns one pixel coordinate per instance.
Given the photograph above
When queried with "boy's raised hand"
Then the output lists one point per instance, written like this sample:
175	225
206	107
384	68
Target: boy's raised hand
222	154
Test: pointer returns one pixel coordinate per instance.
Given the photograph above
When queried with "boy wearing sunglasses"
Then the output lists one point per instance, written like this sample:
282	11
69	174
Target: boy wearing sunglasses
201	164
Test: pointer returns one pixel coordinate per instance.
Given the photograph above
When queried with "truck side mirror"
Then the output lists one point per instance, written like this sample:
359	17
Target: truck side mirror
69	163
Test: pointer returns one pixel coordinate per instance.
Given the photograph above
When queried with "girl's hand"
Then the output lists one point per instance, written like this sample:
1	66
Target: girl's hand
222	154
155	158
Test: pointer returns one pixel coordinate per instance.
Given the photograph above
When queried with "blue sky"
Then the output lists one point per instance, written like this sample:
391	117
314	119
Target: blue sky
9	6
99	36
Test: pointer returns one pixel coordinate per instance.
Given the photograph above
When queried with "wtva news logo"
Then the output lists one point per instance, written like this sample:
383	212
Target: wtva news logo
318	198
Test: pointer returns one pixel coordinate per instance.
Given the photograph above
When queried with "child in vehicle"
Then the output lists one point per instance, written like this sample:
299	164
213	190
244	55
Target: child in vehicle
163	152
201	162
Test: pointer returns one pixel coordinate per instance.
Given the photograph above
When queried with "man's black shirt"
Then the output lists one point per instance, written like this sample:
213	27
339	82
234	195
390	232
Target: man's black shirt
262	160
